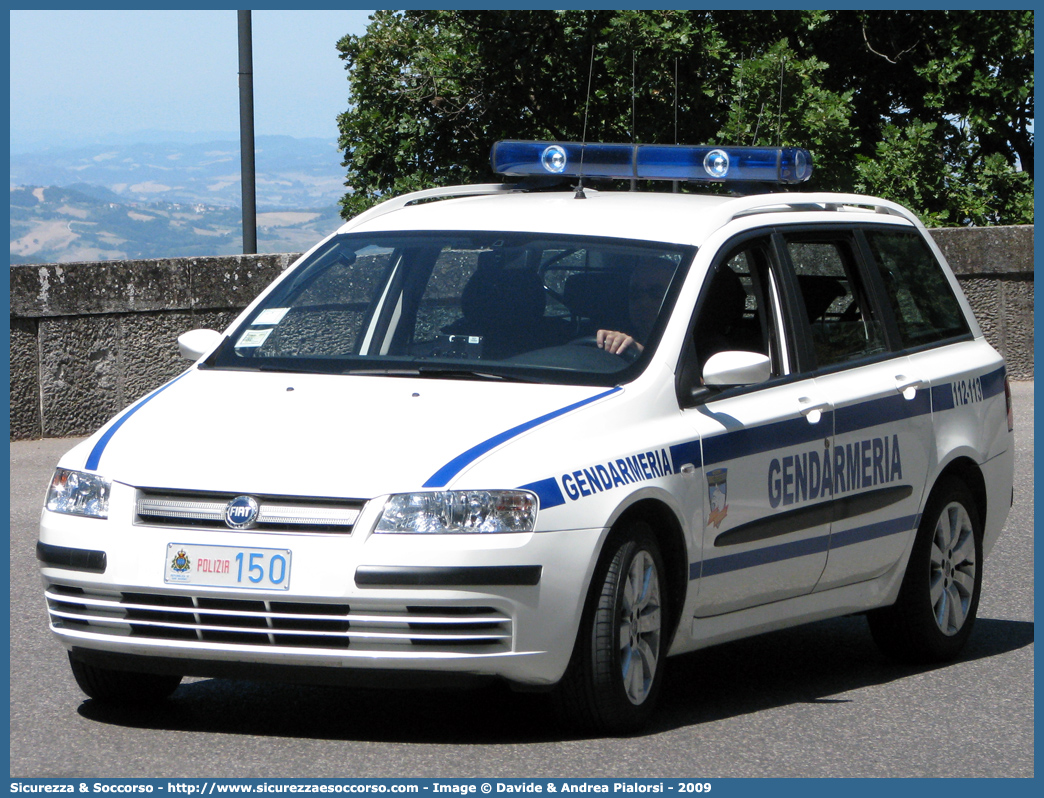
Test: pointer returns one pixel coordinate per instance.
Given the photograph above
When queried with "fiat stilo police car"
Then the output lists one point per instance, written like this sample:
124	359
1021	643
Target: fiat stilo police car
551	437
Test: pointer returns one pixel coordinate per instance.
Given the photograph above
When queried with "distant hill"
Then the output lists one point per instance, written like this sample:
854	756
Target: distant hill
294	173
83	223
105	202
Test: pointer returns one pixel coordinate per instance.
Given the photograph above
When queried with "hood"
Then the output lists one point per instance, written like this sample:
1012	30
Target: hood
318	435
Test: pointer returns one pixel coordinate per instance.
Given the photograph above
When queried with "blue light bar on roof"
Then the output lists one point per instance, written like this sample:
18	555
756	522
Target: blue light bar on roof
652	162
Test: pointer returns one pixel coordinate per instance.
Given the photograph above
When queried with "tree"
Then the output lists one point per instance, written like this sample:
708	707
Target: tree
944	109
933	109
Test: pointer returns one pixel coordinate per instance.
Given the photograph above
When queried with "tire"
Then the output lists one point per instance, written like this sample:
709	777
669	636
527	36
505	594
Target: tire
616	671
122	688
939	598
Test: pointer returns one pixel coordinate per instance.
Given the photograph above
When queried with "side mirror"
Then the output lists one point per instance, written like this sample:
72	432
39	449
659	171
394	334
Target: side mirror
736	368
196	343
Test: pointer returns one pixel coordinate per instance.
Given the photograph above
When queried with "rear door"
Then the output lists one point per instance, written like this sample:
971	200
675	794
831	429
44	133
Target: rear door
874	472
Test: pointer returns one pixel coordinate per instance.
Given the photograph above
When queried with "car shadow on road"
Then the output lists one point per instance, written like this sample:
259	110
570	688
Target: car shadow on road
818	663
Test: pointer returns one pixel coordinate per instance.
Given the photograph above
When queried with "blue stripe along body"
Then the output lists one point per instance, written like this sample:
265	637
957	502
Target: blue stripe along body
94	458
441	477
788	434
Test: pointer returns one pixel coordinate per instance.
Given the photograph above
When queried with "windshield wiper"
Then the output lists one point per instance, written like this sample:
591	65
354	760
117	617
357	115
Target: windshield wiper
458	373
287	369
382	372
437	372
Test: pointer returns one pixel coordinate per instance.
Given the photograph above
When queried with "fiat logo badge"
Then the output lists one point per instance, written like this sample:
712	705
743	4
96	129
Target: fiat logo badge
241	512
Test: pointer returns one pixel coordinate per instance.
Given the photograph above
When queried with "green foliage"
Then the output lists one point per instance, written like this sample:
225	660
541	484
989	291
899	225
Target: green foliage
908	166
780	100
973	162
933	109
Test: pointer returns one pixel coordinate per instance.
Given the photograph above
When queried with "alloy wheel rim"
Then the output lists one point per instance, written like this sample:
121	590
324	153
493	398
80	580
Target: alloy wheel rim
640	627
953	565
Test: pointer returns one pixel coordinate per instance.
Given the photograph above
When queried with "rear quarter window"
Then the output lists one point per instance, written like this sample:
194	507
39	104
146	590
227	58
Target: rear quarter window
925	306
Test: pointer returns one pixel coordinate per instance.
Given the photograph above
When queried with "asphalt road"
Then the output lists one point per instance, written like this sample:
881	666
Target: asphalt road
818	701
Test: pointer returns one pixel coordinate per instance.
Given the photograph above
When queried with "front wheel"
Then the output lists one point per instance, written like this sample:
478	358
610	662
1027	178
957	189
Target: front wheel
939	597
614	677
122	688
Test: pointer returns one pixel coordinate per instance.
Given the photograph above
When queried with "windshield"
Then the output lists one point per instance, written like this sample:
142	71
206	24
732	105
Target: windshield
469	305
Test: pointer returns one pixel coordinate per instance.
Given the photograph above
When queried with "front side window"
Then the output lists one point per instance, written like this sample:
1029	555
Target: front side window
737	312
925	307
733	312
497	305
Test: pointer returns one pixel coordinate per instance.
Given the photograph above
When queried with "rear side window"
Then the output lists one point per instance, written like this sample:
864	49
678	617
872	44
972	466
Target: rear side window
841	319
925	307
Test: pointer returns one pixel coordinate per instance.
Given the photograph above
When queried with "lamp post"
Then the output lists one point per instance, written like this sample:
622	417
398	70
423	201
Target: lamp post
246	134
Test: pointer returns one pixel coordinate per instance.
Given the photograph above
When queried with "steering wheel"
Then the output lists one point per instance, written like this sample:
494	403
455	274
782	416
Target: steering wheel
629	355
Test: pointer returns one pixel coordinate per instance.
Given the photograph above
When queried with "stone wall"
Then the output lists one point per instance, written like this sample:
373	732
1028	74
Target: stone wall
995	268
88	339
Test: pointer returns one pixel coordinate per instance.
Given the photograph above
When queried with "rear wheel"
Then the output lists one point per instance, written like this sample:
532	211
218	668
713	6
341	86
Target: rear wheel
123	688
939	597
614	678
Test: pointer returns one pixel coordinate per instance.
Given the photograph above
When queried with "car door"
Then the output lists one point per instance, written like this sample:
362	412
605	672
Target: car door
882	433
765	534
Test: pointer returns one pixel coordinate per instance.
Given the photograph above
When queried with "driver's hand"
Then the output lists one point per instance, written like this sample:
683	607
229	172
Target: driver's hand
616	342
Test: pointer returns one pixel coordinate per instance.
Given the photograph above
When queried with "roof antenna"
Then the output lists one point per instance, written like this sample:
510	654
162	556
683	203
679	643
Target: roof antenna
634	183
676	101
779	114
633	67
583	142
674	183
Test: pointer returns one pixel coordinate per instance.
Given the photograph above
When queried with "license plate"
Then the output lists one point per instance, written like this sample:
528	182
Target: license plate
227	566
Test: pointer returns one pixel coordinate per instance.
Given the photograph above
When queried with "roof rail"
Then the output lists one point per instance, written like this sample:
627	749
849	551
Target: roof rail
443	192
797	202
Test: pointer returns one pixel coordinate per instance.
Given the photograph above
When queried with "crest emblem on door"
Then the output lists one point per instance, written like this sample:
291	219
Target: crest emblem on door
718	494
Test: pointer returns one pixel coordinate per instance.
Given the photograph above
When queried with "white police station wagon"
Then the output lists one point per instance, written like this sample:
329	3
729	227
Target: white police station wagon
551	437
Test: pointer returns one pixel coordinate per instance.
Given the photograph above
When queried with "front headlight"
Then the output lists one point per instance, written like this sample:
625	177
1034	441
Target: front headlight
78	493
456	511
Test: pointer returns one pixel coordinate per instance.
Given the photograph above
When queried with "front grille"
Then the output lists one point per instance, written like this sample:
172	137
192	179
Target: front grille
276	513
291	624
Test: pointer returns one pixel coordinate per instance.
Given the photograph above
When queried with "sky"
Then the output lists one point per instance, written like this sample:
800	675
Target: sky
120	76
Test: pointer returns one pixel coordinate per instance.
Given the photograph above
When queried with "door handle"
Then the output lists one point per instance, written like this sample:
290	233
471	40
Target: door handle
811	409
908	386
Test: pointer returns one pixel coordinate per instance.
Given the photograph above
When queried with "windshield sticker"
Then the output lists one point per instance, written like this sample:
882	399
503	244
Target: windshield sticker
270	316
253	338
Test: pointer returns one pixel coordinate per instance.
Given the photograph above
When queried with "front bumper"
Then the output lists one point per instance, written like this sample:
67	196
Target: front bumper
506	606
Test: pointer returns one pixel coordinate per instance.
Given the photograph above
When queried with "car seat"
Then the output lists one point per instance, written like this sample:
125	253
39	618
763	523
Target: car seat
505	306
721	326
